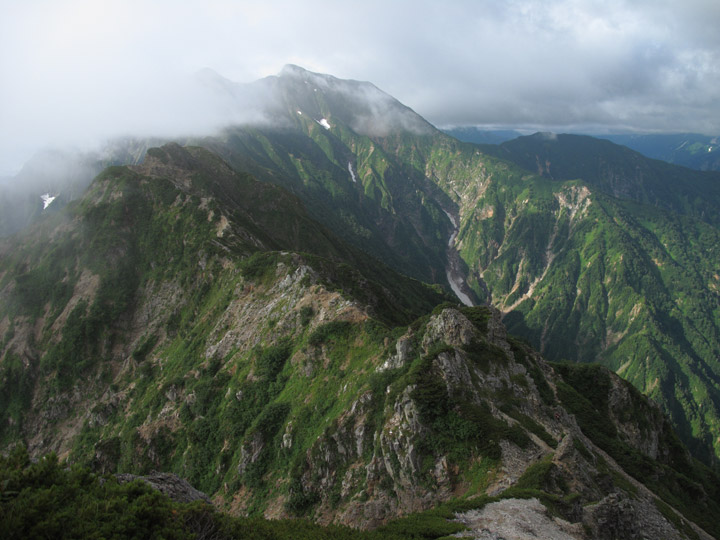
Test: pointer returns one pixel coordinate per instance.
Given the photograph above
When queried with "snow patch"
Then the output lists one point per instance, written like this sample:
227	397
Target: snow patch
451	218
352	173
299	112
324	123
47	199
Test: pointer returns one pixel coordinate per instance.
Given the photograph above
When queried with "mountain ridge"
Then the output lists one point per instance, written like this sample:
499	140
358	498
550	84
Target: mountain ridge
691	150
616	170
516	236
222	319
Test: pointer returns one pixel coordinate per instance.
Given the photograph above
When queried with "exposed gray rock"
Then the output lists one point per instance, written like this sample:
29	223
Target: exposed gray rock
645	438
397	441
497	333
618	516
178	489
454	370
287	436
251	451
451	327
575	469
517	519
403	355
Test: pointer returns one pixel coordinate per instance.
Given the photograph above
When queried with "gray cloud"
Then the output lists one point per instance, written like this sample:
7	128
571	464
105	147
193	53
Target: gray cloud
77	71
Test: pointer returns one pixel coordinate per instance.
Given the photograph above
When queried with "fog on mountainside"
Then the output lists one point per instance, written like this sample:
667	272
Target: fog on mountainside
170	107
201	106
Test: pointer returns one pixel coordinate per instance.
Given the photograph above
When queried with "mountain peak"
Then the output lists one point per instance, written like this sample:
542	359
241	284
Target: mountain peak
293	69
359	104
544	136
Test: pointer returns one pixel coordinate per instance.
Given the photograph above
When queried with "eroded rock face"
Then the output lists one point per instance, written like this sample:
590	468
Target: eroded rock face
251	451
450	327
618	516
400	476
380	457
397	441
178	489
645	437
404	351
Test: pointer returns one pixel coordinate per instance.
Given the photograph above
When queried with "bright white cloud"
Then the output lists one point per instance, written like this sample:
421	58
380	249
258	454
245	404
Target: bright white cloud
75	71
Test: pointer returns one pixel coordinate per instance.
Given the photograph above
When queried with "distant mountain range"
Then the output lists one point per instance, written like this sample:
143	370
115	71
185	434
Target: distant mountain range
695	151
479	135
701	152
306	315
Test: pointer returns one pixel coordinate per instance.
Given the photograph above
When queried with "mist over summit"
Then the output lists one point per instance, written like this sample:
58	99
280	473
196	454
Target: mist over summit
76	73
361	105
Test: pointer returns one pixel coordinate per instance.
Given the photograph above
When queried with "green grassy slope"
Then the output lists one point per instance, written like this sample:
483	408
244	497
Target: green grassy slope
158	240
618	171
587	276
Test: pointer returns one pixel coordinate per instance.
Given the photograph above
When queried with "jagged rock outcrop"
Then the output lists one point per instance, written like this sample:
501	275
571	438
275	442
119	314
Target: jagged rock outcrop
470	368
178	489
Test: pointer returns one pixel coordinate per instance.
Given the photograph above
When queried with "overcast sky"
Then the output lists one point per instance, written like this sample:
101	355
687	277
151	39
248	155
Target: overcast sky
76	71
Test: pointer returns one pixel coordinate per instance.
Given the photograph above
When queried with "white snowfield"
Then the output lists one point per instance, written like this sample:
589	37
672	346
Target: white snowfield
47	199
324	123
352	173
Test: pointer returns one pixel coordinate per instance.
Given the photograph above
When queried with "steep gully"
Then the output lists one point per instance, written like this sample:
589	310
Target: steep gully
453	269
